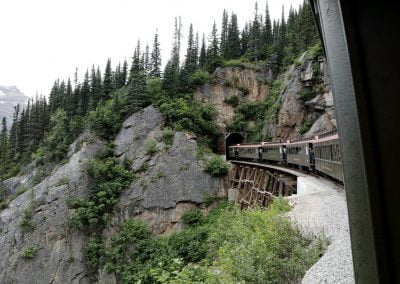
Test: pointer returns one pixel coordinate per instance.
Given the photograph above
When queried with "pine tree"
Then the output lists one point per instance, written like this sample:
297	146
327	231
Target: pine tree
108	87
233	49
203	54
170	81
213	51
254	45
267	34
155	60
224	34
84	95
3	147
137	97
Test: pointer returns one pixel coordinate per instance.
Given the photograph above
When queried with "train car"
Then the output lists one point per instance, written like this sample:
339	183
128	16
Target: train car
300	153
327	156
245	151
273	152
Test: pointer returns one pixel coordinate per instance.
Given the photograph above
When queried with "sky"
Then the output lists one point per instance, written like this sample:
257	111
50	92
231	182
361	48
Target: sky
42	40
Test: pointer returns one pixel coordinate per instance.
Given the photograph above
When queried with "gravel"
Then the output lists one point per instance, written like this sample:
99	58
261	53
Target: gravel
325	212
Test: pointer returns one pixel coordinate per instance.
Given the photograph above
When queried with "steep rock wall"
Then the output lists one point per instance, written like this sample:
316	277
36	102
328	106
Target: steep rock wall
248	82
168	183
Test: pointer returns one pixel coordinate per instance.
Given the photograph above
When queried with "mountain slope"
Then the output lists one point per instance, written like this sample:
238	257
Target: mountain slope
10	96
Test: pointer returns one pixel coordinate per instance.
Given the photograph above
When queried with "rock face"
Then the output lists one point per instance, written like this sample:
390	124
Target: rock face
317	113
10	96
298	116
60	250
168	183
247	83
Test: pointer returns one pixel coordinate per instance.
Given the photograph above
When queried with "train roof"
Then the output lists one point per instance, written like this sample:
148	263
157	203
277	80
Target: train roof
316	139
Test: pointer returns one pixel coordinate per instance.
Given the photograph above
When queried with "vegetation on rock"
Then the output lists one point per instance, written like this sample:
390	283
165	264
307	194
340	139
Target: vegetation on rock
219	247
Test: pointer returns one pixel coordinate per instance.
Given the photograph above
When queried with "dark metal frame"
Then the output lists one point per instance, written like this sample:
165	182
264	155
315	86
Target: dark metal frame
360	39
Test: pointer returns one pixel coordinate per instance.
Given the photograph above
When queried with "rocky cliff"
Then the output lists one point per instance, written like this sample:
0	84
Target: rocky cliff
247	82
38	245
10	96
305	101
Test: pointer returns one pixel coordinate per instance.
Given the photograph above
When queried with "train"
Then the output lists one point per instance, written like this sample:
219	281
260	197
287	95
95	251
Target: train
319	154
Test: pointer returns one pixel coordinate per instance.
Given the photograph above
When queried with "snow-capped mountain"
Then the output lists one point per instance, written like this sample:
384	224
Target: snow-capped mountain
10	96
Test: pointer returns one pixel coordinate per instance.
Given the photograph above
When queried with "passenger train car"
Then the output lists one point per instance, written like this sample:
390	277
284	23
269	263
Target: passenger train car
320	154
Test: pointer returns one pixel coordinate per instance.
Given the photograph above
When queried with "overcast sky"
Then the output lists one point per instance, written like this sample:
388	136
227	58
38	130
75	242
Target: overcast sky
41	40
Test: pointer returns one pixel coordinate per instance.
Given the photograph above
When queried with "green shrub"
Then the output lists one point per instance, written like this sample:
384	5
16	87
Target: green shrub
109	178
167	136
307	94
192	218
216	166
232	100
235	63
105	121
258	246
190	244
26	223
188	114
228	246
21	189
306	126
151	147
316	51
228	84
29	252
198	78
244	90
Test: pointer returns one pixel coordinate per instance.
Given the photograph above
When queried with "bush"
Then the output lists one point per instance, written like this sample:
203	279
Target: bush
151	147
306	126
307	94
316	51
29	252
216	166
167	136
244	90
26	224
258	246
228	246
188	114
192	218
198	78
109	178
235	63
232	100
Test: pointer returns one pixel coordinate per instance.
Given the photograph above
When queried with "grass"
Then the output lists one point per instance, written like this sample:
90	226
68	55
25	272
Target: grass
29	252
151	147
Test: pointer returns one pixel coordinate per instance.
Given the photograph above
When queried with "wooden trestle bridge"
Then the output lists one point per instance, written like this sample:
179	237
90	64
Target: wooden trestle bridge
255	185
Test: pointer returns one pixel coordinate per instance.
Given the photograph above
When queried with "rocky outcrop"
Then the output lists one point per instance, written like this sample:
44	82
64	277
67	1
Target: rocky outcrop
248	82
59	257
300	116
169	182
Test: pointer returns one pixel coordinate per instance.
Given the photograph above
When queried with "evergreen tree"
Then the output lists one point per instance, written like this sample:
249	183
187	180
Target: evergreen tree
213	50
267	34
108	87
84	95
170	81
254	43
146	60
203	54
137	94
233	48
155	60
224	34
3	147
